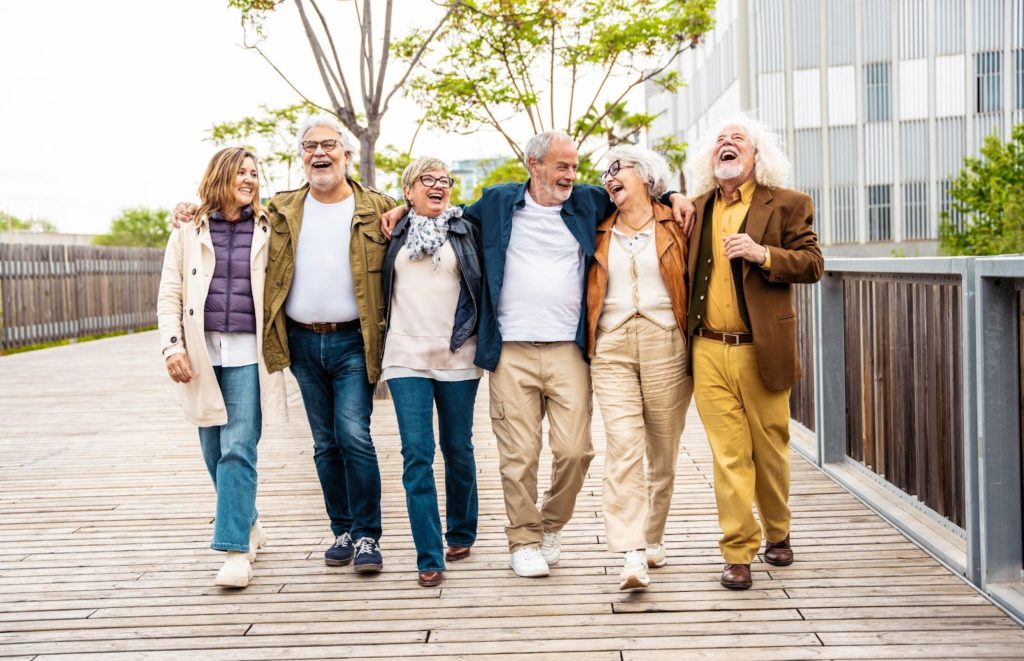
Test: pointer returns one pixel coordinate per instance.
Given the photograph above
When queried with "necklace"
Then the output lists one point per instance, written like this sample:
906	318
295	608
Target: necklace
638	227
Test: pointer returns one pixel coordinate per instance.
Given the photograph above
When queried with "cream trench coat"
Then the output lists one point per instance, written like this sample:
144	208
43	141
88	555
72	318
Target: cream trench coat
184	284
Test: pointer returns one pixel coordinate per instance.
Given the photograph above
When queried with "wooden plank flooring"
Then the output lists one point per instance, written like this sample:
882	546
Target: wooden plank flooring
105	513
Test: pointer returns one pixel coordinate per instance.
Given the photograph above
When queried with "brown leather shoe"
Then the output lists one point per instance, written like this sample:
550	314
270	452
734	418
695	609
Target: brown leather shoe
454	553
779	554
737	577
430	579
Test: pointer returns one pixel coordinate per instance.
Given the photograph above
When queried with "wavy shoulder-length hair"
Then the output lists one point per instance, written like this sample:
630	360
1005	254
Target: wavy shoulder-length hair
217	188
771	165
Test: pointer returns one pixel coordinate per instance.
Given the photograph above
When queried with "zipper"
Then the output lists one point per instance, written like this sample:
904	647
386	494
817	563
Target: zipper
462	274
227	293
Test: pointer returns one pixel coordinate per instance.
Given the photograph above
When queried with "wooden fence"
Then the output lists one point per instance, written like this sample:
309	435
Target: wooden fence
801	398
50	293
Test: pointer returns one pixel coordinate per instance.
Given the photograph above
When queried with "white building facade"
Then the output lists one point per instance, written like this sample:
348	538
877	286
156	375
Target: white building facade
877	101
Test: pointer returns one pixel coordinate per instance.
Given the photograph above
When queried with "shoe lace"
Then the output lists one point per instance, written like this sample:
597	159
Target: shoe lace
343	539
365	545
530	553
551	539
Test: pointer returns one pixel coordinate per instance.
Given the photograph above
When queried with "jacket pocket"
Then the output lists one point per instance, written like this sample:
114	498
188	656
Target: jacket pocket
375	247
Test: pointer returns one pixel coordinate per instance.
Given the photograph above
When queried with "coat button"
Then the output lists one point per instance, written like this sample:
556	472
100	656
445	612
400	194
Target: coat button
193	271
174	340
264	228
278	284
702	298
190	312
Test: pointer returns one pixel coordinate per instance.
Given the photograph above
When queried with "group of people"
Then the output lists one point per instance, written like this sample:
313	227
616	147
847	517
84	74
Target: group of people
560	290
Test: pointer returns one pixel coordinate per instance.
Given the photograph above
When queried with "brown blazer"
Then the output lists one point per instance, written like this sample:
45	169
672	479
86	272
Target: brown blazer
780	219
671	246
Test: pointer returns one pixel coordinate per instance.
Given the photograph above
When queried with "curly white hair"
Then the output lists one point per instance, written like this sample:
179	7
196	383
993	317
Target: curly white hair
771	165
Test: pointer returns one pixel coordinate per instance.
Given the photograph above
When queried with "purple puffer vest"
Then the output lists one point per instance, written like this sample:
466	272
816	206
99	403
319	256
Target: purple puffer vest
229	304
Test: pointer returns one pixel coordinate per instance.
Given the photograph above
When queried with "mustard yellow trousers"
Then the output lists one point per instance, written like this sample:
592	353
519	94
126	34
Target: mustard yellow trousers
748	430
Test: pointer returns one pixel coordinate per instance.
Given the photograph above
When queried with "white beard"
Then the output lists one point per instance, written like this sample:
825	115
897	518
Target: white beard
728	171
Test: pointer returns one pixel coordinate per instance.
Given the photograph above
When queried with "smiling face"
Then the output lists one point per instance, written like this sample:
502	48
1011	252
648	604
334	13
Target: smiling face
429	201
325	170
246	185
625	186
551	177
732	159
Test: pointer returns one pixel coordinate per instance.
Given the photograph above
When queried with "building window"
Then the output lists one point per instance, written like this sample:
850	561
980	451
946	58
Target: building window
844	214
988	92
879	213
876	91
946	202
915	210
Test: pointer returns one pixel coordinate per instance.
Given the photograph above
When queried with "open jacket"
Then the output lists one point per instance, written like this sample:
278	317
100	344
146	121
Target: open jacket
780	219
184	284
464	238
671	247
367	247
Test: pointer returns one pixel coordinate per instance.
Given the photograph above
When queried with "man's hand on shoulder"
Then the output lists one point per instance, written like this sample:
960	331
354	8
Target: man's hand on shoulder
184	212
389	219
683	212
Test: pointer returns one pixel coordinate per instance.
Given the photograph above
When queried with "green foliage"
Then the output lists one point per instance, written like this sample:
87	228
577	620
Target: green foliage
138	227
990	190
11	222
271	136
510	170
542	59
391	163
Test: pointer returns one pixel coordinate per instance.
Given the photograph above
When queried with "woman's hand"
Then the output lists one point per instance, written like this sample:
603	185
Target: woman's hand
179	368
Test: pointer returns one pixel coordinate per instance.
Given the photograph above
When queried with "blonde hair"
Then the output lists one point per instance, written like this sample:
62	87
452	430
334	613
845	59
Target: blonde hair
771	165
216	190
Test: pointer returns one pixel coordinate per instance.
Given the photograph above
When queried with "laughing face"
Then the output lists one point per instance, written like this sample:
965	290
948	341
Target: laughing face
625	185
431	200
246	184
733	156
552	177
325	170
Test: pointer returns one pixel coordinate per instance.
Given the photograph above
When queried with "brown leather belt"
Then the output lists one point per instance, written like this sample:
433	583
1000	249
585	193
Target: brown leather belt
726	338
326	326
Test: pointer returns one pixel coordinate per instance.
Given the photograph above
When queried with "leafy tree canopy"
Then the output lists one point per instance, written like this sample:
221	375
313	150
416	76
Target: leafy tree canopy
990	191
11	222
138	227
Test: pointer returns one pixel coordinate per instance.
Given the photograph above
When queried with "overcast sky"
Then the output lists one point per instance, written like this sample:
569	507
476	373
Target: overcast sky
106	104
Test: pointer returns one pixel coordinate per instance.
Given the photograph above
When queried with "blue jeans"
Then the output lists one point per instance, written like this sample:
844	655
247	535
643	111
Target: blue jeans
230	454
331	371
414	408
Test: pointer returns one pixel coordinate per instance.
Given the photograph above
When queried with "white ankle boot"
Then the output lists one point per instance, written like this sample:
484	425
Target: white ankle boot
257	540
236	572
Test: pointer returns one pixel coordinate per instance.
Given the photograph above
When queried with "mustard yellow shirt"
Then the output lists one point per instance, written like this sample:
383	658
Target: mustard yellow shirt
723	310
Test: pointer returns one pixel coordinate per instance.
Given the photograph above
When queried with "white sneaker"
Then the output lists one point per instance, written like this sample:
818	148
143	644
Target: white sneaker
634	571
656	556
257	540
528	562
551	547
236	572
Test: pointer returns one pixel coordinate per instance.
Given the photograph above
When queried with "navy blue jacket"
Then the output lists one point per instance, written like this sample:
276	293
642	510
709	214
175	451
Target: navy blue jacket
493	214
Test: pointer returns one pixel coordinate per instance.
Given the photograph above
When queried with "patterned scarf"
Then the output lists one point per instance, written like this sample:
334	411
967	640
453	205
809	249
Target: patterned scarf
427	235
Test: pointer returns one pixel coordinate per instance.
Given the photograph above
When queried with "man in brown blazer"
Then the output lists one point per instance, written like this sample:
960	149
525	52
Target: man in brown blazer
750	240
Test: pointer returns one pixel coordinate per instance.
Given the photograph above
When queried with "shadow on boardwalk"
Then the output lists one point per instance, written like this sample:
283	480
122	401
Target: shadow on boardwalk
105	511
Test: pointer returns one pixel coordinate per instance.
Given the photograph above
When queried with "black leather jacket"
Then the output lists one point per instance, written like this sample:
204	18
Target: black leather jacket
464	238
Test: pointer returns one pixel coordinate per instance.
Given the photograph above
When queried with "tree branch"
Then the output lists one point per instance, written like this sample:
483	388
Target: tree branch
318	54
340	79
419	54
385	50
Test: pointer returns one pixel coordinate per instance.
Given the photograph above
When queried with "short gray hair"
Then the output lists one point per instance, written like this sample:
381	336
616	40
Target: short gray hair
539	144
331	122
650	166
421	165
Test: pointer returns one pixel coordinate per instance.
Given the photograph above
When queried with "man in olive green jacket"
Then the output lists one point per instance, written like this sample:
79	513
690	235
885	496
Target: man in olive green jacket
323	309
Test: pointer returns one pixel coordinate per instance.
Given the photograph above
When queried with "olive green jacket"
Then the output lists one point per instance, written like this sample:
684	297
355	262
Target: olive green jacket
367	247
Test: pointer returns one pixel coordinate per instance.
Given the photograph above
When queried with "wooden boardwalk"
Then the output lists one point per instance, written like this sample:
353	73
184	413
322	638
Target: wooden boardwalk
105	512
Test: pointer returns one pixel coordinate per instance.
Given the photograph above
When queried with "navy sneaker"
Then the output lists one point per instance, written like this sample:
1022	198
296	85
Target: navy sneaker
368	558
340	553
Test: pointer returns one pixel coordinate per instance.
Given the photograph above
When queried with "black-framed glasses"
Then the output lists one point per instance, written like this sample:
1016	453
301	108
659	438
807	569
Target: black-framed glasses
309	146
430	181
613	169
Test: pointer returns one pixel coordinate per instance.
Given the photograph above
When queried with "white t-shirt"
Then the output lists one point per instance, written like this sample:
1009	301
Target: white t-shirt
322	289
542	294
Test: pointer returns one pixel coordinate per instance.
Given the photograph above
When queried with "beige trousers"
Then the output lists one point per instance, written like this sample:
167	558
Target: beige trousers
531	380
748	429
640	379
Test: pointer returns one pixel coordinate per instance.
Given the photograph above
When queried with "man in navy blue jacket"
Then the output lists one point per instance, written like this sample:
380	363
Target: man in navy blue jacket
537	238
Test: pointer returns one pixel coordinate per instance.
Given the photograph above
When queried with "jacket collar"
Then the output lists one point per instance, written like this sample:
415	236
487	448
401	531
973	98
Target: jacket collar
519	201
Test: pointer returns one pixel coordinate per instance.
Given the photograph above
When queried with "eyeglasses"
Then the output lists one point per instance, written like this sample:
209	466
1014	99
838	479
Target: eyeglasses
430	181
613	170
309	146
